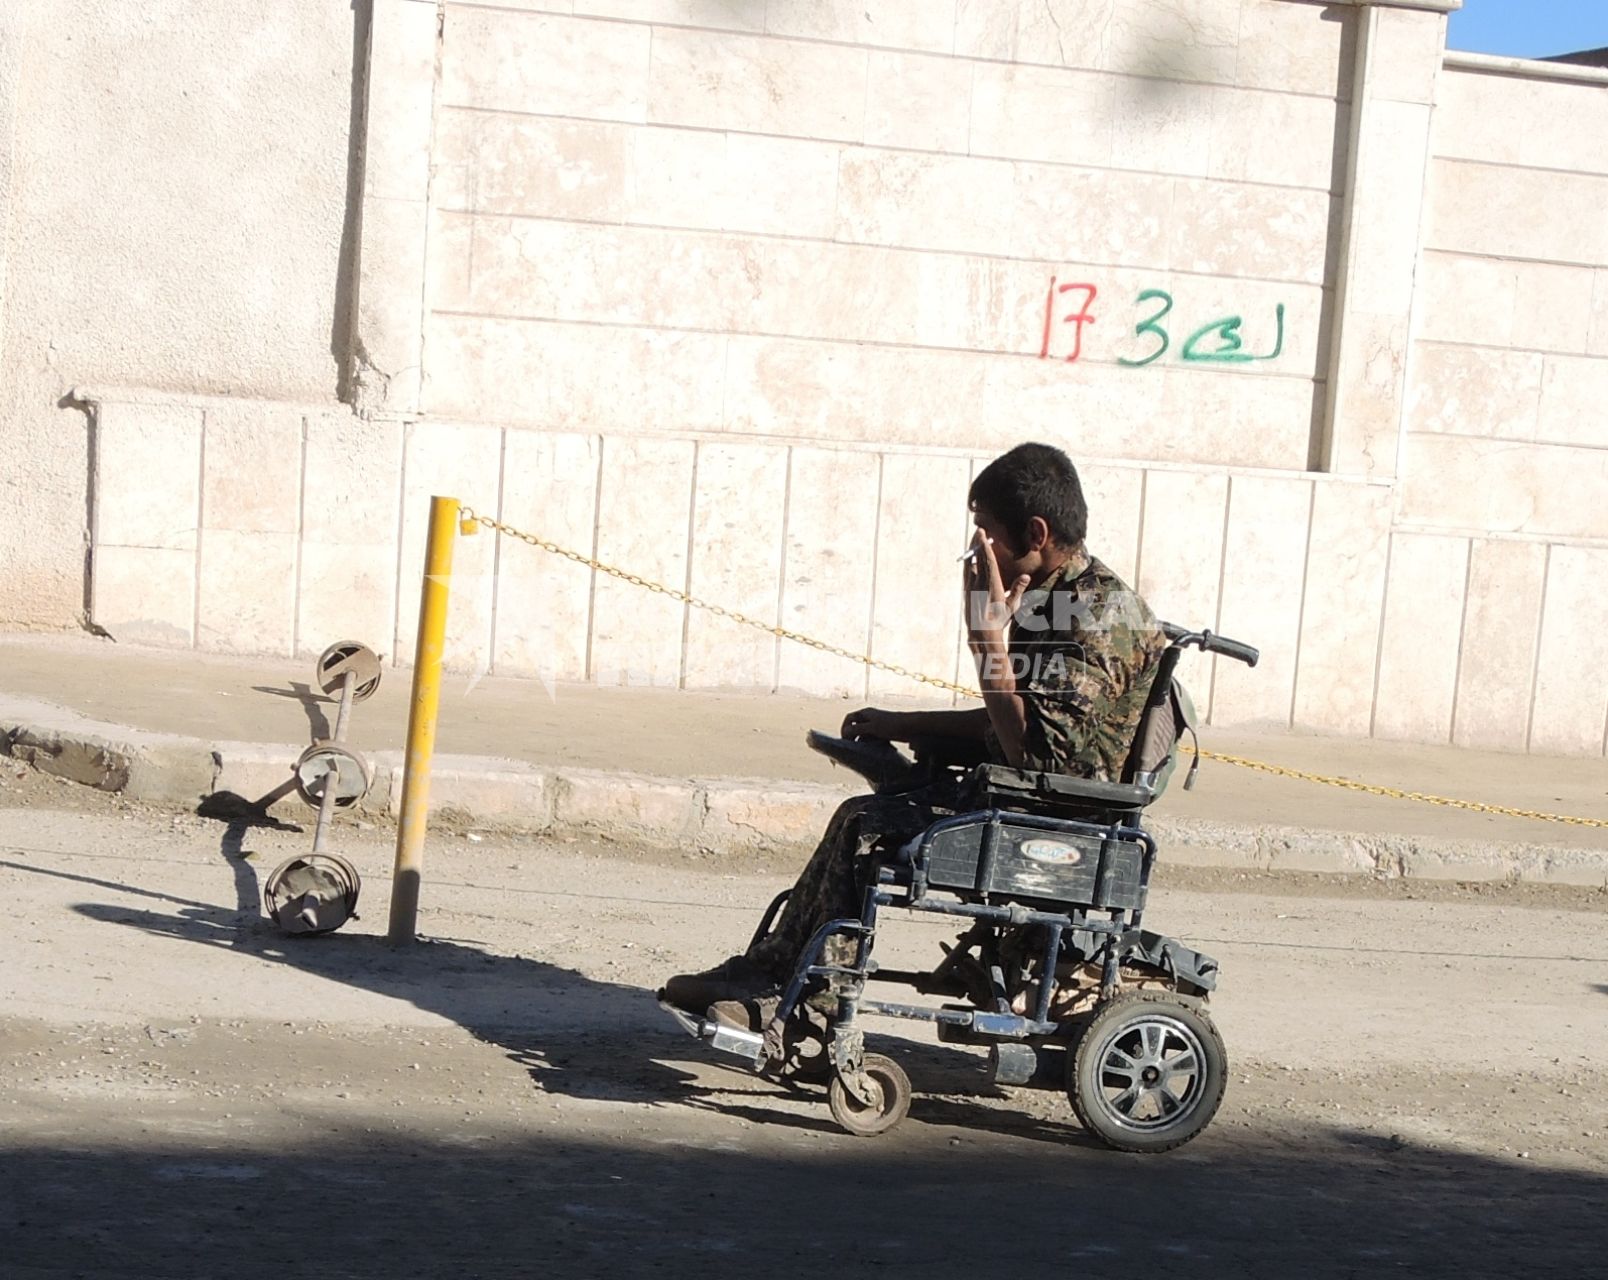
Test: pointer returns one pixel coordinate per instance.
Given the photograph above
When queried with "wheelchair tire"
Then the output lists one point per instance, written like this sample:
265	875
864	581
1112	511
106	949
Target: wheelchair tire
863	1121
1148	1073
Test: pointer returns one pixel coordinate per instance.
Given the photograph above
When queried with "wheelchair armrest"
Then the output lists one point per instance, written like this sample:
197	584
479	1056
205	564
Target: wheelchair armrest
1057	790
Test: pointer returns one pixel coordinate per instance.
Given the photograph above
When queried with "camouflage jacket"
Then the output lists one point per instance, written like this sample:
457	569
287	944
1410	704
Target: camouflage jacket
1084	649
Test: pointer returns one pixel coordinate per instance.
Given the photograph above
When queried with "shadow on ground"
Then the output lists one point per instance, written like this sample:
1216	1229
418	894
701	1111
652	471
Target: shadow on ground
573	1033
963	1190
313	703
1310	1203
497	998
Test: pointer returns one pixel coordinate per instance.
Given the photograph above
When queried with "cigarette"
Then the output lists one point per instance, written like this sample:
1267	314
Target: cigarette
970	552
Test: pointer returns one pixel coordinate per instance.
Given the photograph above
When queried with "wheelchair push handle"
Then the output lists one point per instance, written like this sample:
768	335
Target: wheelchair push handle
1210	643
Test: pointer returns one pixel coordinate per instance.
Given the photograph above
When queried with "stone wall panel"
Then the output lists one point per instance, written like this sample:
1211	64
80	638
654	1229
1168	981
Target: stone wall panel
826	591
643	506
1423	624
543	601
717	81
1340	615
1264	576
1503	487
921	511
246	597
920	102
574	377
494	163
544	64
252	471
147	475
1115	496
1570	711
928	25
1181	560
739	505
1496	668
144	595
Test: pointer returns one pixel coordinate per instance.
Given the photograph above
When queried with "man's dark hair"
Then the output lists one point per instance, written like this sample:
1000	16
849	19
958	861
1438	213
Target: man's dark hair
1033	480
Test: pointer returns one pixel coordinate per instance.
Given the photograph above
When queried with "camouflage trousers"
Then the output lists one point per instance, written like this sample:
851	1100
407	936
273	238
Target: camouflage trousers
833	882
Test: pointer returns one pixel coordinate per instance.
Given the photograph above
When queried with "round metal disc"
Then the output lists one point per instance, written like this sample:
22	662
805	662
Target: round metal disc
312	894
344	656
319	761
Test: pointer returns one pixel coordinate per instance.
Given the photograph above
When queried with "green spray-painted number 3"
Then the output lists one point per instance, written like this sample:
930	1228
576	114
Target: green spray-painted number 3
1152	326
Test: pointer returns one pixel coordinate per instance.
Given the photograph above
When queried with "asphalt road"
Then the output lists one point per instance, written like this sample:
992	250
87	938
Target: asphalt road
1419	1081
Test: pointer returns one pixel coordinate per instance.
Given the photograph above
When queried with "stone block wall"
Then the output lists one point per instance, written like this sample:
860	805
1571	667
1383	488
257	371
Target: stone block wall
1511	364
737	295
256	528
243	526
1504	457
849	223
174	179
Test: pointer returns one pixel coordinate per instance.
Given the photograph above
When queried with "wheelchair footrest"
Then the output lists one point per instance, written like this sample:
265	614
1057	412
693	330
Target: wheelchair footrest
717	1035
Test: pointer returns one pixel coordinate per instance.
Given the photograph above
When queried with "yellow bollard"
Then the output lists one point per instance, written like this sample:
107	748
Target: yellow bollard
422	720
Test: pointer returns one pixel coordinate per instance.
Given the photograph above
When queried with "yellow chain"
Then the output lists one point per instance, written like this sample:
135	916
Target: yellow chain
1368	788
472	521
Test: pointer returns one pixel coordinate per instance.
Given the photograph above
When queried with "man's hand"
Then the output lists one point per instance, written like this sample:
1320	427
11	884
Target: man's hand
869	722
989	604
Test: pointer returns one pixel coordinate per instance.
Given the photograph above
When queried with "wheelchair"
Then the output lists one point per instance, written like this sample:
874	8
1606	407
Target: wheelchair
1055	974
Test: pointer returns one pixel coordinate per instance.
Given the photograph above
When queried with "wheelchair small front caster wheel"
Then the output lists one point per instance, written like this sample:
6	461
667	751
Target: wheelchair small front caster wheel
1148	1072
890	1100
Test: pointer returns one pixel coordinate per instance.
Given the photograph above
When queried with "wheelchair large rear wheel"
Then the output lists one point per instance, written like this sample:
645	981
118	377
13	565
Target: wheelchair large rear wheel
890	1087
1148	1073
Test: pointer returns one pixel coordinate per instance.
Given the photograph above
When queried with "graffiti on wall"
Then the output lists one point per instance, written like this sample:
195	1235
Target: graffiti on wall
1218	341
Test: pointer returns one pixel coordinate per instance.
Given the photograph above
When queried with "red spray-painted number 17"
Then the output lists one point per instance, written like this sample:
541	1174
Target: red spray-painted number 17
1077	318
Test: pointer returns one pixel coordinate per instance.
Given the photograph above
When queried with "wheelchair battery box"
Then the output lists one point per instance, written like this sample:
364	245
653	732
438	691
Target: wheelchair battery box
1078	864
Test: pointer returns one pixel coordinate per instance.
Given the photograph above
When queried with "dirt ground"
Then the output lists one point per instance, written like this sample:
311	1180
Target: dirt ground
1419	1080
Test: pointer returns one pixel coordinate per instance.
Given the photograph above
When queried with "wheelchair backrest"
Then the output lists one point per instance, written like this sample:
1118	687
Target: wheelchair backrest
1168	714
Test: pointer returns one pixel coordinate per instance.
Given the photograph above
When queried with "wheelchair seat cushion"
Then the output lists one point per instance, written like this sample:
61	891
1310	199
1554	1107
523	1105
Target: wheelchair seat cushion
996	785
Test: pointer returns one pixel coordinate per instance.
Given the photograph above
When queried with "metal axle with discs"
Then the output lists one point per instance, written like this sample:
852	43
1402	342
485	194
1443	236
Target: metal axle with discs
318	893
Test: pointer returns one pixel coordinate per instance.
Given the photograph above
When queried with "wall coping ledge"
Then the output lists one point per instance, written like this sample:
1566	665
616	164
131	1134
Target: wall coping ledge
1526	68
99	395
1431	6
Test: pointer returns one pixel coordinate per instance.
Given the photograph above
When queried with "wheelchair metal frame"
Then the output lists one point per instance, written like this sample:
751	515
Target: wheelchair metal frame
1100	916
903	884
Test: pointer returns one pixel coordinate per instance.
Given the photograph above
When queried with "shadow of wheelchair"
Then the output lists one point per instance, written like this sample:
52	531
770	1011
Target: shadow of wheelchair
497	998
574	1034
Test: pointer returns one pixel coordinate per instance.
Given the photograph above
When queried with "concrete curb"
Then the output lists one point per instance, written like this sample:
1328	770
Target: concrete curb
720	817
156	767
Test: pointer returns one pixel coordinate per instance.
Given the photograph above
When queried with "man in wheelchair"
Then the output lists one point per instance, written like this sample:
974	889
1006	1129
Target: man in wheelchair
1066	654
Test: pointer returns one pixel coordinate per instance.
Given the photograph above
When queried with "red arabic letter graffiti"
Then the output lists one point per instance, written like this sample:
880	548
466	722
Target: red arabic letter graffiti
1077	319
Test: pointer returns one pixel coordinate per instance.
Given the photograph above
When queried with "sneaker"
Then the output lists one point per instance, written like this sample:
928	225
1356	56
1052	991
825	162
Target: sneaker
733	979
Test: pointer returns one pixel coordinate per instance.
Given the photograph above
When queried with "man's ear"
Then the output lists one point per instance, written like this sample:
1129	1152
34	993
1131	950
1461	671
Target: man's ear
1038	533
